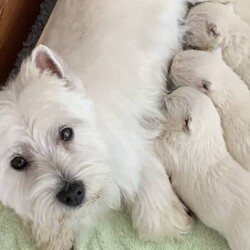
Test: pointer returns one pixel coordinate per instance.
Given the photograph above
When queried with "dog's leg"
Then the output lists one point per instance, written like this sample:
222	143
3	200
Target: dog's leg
157	212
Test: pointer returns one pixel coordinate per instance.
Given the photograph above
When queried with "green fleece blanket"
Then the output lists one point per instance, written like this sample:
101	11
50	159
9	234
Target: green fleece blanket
115	234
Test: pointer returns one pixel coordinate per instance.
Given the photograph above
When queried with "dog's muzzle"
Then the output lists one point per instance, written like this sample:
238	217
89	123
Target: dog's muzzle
72	194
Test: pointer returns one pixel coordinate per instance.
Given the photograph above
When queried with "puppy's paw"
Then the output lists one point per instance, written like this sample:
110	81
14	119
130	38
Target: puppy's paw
159	221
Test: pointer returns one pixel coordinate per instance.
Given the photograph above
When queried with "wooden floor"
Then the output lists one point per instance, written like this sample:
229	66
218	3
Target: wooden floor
16	19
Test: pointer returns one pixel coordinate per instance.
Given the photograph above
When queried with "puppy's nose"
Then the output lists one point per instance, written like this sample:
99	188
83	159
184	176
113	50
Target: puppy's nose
72	194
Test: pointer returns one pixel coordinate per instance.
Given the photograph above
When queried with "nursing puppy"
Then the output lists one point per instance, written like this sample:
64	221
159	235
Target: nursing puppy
213	25
73	147
209	73
203	173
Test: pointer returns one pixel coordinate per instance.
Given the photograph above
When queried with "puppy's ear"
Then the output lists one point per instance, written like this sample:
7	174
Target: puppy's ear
42	57
212	30
188	124
205	85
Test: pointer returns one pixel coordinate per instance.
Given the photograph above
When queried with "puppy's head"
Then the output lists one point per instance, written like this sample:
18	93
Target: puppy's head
199	69
188	111
206	25
53	160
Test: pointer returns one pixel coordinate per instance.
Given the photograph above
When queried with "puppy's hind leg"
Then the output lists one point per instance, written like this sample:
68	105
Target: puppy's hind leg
157	212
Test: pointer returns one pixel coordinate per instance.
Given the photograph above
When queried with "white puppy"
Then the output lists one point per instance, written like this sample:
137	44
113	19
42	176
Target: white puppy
203	173
70	148
212	25
209	73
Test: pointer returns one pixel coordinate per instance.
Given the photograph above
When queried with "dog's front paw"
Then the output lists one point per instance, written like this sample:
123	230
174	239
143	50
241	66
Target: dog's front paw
157	221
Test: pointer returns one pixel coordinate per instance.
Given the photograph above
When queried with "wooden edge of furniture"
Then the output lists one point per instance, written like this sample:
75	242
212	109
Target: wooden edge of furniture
16	20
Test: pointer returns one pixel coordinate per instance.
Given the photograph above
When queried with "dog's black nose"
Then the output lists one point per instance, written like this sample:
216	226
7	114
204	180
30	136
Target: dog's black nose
72	194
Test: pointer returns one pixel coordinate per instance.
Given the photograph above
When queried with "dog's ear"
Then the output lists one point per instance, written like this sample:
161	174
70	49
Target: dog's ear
212	30
188	124
205	85
43	58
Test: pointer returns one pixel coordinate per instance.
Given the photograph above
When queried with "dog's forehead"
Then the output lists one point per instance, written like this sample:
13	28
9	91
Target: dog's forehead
34	111
46	98
35	108
31	135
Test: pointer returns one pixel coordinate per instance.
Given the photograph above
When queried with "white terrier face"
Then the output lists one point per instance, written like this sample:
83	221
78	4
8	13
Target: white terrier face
53	161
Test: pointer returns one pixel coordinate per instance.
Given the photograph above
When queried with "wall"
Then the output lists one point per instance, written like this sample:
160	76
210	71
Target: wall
16	19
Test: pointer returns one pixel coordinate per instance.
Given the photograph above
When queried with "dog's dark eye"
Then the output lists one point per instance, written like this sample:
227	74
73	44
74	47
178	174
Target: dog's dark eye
19	163
66	134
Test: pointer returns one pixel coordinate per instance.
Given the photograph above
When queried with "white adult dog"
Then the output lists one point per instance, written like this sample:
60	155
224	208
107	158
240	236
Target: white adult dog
209	181
213	25
209	73
69	150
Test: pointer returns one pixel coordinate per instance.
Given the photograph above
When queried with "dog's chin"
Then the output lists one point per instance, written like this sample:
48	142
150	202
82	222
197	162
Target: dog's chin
58	216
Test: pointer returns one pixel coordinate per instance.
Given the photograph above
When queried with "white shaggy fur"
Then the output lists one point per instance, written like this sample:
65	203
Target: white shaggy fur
213	25
209	73
119	50
203	173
